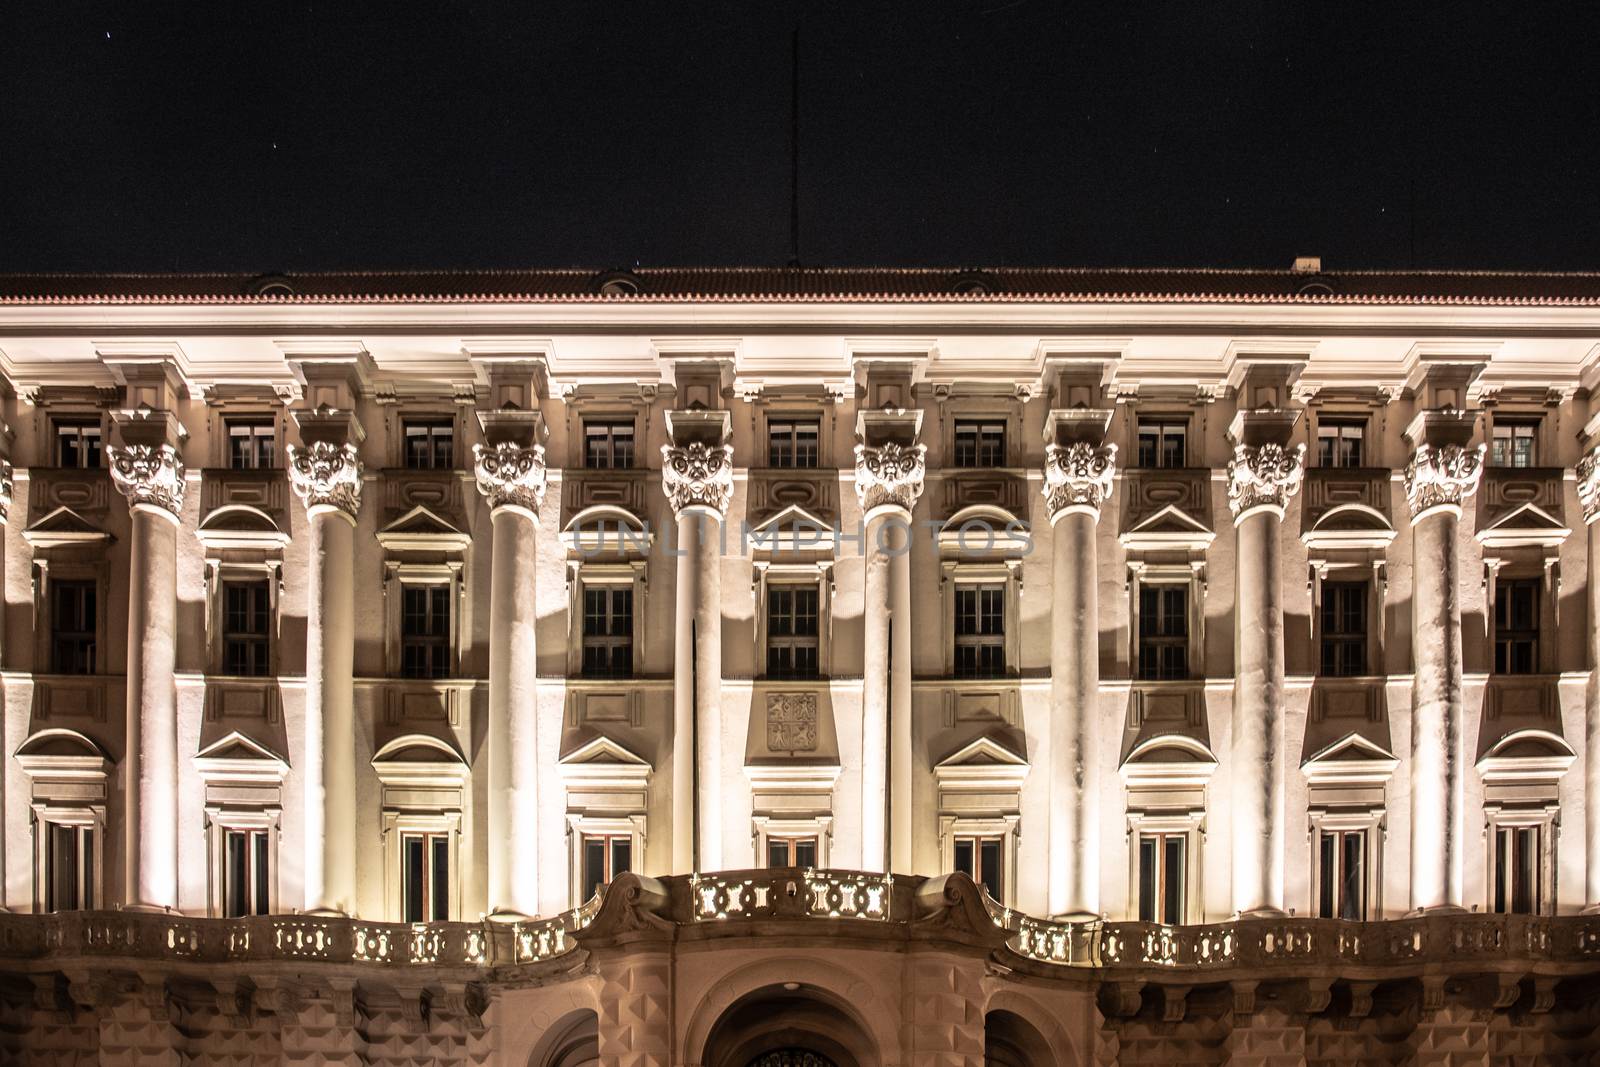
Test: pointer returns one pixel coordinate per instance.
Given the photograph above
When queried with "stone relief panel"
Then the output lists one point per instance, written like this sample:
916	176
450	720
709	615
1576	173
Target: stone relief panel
1148	491
1326	488
792	722
626	489
80	490
772	491
1505	489
963	489
437	490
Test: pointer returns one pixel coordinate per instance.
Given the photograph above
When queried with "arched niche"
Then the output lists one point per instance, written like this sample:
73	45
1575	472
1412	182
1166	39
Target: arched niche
789	1019
1009	1040
573	1041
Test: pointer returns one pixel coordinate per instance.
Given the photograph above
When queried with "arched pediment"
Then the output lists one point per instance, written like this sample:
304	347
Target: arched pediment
58	741
1526	755
61	754
240	526
1350	526
419	761
984	529
606	528
417	748
1169	760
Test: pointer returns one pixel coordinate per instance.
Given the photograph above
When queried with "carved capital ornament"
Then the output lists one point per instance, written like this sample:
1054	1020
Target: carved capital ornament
1078	475
1264	476
1588	483
890	474
324	474
147	474
511	475
698	475
1442	476
7	486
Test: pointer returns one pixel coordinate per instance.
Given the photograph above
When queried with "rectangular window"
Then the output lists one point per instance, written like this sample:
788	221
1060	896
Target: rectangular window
78	444
980	631
425	877
1162	878
608	444
1514	443
251	444
791	852
1163	632
792	442
1342	875
425	631
1517	870
1340	442
430	444
68	867
792	631
608	631
605	856
244	873
1344	629
1516	626
982	859
1161	442
72	627
246	628
980	443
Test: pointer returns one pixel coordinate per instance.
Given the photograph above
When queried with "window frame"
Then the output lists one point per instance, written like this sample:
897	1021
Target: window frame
768	828
1163	842
976	845
434	640
610	641
1360	591
432	423
94	634
613	423
793	423
768	576
982	451
1159	581
1509	638
88	881
1514	422
1543	821
609	842
976	640
793	642
266	421
1339	422
264	641
225	822
582	824
1006	826
1165	820
431	843
79	422
398	577
1163	423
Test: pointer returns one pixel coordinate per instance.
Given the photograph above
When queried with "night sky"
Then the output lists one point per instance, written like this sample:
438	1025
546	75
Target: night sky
141	135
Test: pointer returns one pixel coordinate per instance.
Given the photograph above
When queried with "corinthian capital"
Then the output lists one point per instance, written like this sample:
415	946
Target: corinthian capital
1444	474
1264	476
148	474
1588	483
6	486
511	475
698	475
890	474
327	475
1078	475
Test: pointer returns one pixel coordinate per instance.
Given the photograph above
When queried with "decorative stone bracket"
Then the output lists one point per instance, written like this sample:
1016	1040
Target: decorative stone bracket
511	475
145	474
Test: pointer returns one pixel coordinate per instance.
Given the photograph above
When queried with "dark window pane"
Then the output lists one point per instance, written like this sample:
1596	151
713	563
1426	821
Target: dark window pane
805	852
1173	877
964	857
263	898
1327	876
72	622
1161	443
777	852
1148	875
1353	885
1516	635
413	875
594	865
980	443
441	879
238	875
989	867
1163	632
429	444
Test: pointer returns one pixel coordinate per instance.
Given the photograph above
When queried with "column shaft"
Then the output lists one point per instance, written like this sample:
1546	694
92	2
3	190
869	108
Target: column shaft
330	816
151	762
1074	690
1258	711
1438	790
901	837
697	695
877	606
512	742
1591	753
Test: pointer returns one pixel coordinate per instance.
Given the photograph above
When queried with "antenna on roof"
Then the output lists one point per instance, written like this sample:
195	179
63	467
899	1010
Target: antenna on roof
794	151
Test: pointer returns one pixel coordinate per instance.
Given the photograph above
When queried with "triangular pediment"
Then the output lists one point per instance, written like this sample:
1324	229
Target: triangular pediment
1527	524
237	758
422	529
791	518
981	764
602	750
236	746
984	752
1351	746
1168	527
61	527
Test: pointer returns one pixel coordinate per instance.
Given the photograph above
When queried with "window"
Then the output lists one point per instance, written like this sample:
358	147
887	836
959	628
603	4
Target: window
1163	632
78	444
425	631
792	443
251	444
980	631
1516	626
1514	443
246	615
792	631
1162	873
980	443
1344	629
1516	870
1340	442
430	444
244	873
982	859
608	445
1161	442
605	856
608	631
791	852
1342	875
425	877
72	627
68	867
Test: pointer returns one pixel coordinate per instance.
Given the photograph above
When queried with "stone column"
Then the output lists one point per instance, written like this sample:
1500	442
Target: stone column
698	479
1437	479
888	482
151	477
513	479
1261	479
1078	478
327	477
1589	497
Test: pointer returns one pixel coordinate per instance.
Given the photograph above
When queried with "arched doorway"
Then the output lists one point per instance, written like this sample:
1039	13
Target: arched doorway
781	1026
1009	1040
572	1042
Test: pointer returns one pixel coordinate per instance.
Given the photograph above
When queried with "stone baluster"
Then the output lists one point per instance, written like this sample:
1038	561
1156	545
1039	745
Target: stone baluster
697	476
889	481
512	477
1078	479
1589	497
151	476
326	475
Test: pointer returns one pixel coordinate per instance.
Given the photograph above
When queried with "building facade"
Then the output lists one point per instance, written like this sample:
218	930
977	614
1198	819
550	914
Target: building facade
801	667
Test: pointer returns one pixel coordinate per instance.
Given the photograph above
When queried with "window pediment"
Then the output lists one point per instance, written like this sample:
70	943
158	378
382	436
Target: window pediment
1349	526
1526	756
793	529
1168	528
602	763
417	760
64	528
1169	760
421	530
607	529
1351	760
984	531
1526	526
984	763
237	758
61	755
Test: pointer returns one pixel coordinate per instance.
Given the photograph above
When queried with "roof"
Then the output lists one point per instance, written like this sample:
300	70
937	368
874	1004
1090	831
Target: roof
812	284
